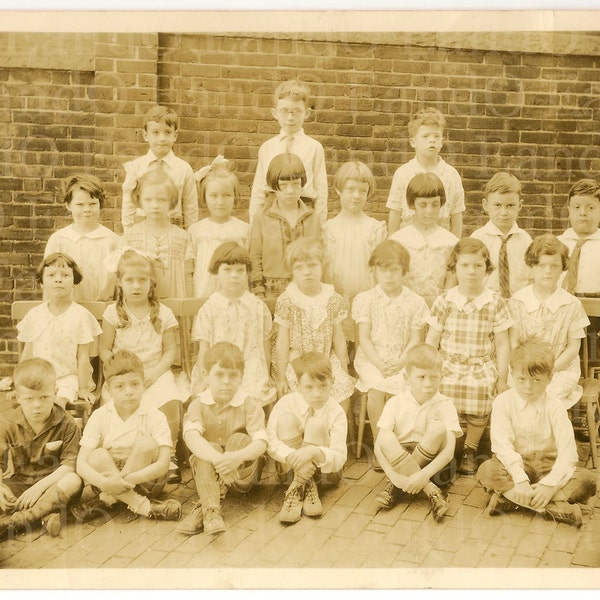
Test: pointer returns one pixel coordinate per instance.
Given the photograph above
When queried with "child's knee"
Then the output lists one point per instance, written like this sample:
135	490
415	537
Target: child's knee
237	441
316	432
101	460
70	484
288	427
436	431
389	447
145	449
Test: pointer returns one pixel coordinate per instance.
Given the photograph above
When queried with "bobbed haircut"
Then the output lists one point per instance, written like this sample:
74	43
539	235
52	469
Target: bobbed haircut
546	245
469	246
285	167
534	356
224	354
423	356
356	171
314	364
59	259
502	183
431	117
388	253
223	172
304	248
425	185
86	183
162	114
293	89
34	374
585	187
157	178
229	253
122	362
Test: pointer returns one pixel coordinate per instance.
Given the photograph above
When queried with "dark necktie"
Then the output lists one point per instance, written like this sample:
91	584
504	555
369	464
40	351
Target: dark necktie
570	280
503	270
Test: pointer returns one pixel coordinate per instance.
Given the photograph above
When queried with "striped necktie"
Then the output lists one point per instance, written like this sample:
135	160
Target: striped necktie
570	280
289	140
159	164
503	269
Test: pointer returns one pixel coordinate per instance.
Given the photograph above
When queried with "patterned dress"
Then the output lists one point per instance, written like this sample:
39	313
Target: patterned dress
310	320
391	321
467	346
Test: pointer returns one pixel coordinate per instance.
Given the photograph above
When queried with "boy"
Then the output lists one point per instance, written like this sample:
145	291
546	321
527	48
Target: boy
225	431
505	240
534	462
307	437
292	108
417	433
426	130
42	440
161	126
125	447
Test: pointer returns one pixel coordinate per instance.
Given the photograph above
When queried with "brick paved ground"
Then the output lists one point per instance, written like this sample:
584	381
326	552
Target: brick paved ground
351	533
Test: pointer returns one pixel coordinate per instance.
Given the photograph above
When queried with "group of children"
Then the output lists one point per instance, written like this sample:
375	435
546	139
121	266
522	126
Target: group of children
439	331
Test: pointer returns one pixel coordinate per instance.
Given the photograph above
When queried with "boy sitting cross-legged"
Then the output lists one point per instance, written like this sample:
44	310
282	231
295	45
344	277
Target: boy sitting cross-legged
307	437
225	430
417	433
125	447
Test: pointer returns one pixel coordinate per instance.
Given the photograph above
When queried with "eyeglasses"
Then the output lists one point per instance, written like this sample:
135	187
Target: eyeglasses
296	112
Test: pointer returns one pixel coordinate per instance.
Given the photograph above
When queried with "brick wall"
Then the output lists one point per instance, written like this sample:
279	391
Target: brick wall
75	102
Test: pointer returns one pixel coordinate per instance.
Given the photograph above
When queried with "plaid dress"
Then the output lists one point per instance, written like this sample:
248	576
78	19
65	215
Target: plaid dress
467	345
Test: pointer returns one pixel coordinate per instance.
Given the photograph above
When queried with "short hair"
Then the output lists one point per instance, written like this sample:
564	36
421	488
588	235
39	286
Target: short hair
357	171
502	183
431	117
58	258
546	245
158	178
585	187
122	362
34	373
469	245
225	354
314	364
285	167
229	253
534	356
423	356
304	248
390	252
425	185
162	114
86	183
293	89
220	171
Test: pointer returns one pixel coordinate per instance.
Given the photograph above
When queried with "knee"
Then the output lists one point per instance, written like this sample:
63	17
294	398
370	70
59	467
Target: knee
485	474
388	446
101	460
70	484
237	441
436	431
287	427
145	448
315	432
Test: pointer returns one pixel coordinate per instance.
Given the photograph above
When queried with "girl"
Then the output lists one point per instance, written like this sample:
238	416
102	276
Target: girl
138	322
85	240
233	314
428	244
469	323
351	236
547	312
60	330
391	320
219	192
284	220
309	317
169	245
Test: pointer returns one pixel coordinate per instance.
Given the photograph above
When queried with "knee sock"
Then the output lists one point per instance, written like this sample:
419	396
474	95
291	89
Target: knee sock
475	428
136	503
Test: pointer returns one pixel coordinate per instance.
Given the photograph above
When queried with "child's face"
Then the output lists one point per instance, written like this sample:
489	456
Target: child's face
84	209
390	278
57	280
428	141
471	270
160	138
503	209
223	383
155	201
584	214
232	279
547	272
427	211
126	391
288	194
135	283
307	274
423	383
354	196
530	387
219	197
36	404
290	114
314	391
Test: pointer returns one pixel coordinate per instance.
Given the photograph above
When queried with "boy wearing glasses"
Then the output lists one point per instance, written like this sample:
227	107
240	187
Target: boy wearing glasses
291	109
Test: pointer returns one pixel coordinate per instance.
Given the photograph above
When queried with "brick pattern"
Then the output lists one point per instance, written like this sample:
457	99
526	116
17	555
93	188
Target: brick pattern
534	114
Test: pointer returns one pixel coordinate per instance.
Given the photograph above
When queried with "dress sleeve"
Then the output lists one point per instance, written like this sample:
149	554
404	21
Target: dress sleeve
192	421
167	317
255	420
201	329
339	309
29	327
360	308
437	315
283	311
502	318
87	327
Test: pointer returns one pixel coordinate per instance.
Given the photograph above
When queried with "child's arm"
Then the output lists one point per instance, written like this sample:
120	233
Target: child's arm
200	447
456	223
151	472
282	355
113	484
366	343
189	200
27	351
433	337
339	345
257	192
84	372
513	337
502	343
321	186
107	339
169	353
228	462
203	346
568	355
32	494
394	221
416	337
189	278
255	245
450	280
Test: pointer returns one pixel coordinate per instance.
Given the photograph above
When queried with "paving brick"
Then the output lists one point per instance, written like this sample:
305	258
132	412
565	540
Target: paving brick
401	533
477	497
414	551
523	562
353	526
417	510
587	553
469	554
354	496
384	555
508	535
437	559
496	556
357	470
207	558
564	540
334	517
556	560
368	505
533	545
229	539
451	538
117	562
151	558
484	528
138	546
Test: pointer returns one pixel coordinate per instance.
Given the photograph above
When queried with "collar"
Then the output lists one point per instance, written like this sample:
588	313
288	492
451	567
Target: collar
168	158
454	296
223	301
142	409
559	298
522	404
72	234
570	234
304	407
303	301
274	210
282	134
238	398
54	418
492	229
436	239
387	300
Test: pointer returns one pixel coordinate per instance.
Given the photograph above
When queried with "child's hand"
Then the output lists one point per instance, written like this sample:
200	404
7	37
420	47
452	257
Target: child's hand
115	485
86	396
7	498
283	387
300	458
501	386
29	497
542	494
227	464
523	493
415	483
390	368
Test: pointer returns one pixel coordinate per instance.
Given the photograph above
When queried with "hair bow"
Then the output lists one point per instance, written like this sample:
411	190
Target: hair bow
200	174
111	262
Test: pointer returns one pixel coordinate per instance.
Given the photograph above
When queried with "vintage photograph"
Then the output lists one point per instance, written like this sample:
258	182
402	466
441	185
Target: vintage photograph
300	299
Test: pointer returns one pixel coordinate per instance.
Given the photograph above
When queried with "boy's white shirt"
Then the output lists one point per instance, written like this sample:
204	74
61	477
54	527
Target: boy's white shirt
588	274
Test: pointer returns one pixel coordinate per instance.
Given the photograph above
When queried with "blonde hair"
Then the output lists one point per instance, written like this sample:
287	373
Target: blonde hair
431	117
157	178
357	171
293	89
220	171
304	248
